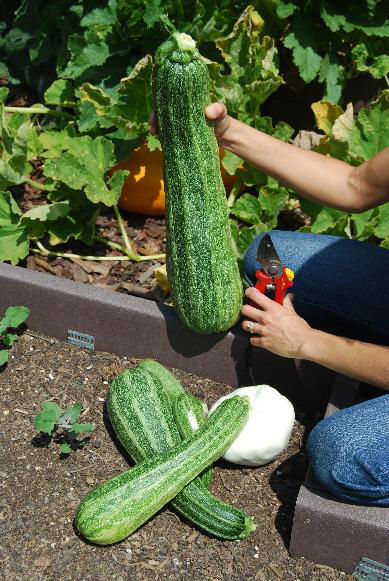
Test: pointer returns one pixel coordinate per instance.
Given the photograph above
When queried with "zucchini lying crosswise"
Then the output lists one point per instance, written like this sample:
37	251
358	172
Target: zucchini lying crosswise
142	417
115	509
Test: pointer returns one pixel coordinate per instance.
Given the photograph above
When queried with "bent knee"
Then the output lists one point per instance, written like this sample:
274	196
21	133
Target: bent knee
348	453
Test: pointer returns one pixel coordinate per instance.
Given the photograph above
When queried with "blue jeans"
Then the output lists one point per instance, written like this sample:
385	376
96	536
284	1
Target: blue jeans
349	452
342	286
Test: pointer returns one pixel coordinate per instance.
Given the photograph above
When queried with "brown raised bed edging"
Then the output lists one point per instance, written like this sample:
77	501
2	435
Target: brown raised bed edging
137	327
334	533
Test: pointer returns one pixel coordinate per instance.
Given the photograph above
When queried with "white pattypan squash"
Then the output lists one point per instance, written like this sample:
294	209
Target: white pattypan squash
268	428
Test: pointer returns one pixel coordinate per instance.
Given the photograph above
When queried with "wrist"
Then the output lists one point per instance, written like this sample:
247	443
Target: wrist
310	345
231	136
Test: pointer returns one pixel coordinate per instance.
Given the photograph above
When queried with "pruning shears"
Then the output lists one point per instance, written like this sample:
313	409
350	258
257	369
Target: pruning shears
272	278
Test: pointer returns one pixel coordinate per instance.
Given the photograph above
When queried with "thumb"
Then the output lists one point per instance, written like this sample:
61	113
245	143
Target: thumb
288	302
216	111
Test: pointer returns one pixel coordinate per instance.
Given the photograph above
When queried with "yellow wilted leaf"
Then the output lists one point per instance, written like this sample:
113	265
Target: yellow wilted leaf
343	126
160	275
326	114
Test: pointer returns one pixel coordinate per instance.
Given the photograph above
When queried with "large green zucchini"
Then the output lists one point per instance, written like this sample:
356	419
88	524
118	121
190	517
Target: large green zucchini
142	418
201	265
174	390
115	509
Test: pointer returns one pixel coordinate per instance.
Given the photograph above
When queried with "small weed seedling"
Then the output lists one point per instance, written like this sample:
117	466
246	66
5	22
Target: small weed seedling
13	318
51	420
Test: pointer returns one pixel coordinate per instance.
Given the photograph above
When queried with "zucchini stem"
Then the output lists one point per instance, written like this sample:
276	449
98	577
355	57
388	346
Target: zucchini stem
39	111
45	252
119	247
42	250
128	248
36	185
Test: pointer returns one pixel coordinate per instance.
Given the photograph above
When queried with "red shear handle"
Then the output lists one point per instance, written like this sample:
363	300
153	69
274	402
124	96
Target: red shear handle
281	283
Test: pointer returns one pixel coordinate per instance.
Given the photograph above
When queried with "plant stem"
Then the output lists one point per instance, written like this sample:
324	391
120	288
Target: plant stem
38	111
42	250
131	254
110	243
36	185
234	192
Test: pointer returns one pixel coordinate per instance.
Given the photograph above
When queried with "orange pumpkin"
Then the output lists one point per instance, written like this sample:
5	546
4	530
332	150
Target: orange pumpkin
143	191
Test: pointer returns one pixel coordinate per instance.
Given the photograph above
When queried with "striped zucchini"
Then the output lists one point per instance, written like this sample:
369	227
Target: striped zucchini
172	386
190	413
142	418
201	265
173	390
115	509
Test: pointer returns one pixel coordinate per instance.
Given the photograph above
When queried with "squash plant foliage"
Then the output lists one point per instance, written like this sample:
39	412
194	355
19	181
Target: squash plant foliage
87	66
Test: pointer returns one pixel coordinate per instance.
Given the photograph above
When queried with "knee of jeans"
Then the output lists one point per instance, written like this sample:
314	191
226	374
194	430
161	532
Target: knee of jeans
342	465
321	447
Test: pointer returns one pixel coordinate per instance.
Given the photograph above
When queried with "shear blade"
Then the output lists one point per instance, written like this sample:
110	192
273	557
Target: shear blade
268	257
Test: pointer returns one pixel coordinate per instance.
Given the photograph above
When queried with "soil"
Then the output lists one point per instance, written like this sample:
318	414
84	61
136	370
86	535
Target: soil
41	489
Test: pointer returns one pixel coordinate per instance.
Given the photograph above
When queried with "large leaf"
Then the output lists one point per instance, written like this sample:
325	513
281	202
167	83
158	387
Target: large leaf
48	212
370	133
325	115
61	92
376	66
361	221
84	165
88	50
135	104
14	243
252	59
248	209
272	200
382	229
9	210
14	148
303	43
17	315
327	220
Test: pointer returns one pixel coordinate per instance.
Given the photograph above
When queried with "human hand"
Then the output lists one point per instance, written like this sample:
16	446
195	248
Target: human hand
279	328
215	112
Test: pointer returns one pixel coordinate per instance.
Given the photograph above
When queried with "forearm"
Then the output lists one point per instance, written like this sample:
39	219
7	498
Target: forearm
363	361
323	179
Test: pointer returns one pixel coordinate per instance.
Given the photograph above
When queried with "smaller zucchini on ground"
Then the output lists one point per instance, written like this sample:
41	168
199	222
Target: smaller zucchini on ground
117	508
142	417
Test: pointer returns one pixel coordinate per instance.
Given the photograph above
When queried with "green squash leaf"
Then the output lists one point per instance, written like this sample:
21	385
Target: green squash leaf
9	210
14	243
65	448
61	92
17	315
3	357
83	427
248	209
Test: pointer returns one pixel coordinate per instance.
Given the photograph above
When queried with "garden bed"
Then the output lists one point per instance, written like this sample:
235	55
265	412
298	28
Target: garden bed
41	490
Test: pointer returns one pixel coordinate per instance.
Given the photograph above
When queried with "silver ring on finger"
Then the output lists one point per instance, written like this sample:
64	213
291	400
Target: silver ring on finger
250	327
